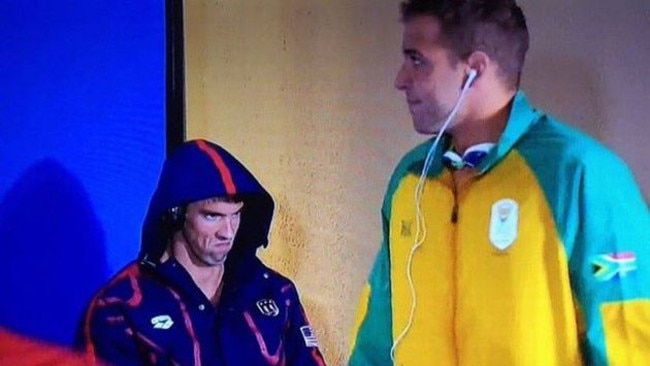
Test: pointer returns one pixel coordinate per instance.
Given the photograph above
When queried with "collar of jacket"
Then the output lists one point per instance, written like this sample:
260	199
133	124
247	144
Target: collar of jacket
522	117
242	280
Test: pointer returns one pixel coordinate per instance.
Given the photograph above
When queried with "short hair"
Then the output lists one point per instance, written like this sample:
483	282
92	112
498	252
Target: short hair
496	27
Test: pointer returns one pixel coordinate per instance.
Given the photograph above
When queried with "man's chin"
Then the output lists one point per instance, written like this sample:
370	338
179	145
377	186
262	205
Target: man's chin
424	126
214	260
429	129
220	259
424	130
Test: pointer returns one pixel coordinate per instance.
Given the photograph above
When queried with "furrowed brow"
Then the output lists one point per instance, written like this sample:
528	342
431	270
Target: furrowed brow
410	52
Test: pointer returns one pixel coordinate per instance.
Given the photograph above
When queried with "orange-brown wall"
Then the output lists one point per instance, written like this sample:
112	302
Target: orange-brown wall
301	91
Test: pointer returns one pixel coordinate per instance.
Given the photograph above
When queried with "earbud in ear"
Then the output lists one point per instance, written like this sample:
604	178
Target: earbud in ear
174	219
176	213
471	76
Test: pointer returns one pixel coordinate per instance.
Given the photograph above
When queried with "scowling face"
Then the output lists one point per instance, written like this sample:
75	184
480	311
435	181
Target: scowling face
210	229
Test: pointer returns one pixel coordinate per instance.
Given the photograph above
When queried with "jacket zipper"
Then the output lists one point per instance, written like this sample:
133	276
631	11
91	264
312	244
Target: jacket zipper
454	212
454	276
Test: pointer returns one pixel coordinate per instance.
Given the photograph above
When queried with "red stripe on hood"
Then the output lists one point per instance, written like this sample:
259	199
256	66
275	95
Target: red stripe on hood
221	166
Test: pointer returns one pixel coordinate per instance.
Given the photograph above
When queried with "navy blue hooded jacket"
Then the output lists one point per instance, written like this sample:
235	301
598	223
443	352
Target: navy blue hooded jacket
152	312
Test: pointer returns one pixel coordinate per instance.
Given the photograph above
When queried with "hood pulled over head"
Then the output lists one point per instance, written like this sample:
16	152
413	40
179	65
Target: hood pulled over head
199	170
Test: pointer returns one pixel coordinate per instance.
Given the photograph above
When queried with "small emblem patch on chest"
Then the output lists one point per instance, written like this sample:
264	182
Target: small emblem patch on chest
406	228
504	222
162	322
268	307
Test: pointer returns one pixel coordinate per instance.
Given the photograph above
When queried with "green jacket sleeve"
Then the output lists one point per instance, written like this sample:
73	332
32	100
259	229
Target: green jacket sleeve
372	337
610	264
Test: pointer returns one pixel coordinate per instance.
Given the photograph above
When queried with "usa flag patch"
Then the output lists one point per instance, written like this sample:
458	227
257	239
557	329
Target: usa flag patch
309	336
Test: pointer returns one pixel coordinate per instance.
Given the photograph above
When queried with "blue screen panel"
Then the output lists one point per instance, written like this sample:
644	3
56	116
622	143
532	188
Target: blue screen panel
82	139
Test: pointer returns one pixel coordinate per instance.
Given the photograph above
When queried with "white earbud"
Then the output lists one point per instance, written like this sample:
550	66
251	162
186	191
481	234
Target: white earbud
471	76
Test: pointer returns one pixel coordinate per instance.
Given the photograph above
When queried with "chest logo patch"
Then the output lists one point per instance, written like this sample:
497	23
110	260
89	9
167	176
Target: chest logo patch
406	228
268	307
162	322
504	221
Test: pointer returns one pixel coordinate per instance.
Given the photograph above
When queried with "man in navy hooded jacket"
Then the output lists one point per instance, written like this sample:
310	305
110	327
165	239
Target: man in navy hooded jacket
198	295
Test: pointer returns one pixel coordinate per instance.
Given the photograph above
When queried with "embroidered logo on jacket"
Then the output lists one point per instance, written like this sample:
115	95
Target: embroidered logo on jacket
309	336
268	307
607	266
503	223
162	322
406	228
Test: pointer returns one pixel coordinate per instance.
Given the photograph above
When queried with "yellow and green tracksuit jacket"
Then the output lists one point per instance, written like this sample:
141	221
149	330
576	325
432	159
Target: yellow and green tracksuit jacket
544	259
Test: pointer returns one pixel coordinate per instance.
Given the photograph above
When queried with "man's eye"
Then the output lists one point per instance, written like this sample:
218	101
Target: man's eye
415	60
212	217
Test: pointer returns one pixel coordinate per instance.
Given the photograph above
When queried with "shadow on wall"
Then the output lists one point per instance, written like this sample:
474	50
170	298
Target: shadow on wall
568	89
292	237
53	252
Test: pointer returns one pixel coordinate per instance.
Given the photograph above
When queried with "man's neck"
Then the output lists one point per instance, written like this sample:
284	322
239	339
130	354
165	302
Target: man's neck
486	125
207	278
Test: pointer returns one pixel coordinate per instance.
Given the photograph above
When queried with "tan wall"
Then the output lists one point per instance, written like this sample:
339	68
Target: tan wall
301	91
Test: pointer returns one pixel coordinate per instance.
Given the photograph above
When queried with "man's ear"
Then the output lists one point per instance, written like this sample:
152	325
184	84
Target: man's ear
479	61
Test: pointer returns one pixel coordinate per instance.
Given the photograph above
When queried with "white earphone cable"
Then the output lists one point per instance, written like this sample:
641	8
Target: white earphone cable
421	229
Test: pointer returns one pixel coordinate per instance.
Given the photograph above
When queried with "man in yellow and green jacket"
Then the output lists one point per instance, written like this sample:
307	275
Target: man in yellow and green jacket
536	252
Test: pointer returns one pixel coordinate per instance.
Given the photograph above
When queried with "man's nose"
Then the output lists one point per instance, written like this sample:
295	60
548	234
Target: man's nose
228	229
402	79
